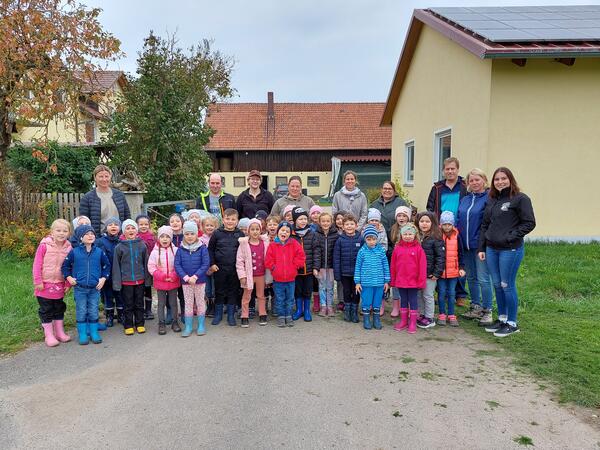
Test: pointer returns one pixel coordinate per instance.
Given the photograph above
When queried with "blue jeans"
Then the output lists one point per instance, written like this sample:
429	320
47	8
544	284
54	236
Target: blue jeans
111	298
372	296
446	294
503	266
86	304
478	277
284	298
326	282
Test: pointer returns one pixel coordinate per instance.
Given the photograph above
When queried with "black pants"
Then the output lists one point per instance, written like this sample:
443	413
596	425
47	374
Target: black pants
51	309
304	286
227	287
350	295
133	299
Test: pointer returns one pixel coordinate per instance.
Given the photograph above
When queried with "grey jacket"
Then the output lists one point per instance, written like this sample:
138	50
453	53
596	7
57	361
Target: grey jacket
357	205
304	201
130	262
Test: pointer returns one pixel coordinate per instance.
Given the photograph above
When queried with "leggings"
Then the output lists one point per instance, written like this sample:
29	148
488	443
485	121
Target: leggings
259	285
194	295
408	298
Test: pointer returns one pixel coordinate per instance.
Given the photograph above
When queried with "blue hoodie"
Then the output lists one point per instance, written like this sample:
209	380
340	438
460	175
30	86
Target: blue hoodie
86	267
470	217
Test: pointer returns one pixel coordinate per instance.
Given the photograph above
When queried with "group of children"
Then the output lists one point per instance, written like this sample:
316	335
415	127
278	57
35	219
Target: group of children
213	268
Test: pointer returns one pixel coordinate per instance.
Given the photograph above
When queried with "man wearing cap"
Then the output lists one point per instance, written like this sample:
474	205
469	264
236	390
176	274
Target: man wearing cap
215	200
255	198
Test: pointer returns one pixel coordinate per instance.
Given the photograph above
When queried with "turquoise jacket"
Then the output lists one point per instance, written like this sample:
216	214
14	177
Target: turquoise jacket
372	268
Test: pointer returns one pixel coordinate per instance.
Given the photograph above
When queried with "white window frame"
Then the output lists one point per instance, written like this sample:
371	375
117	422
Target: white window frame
438	161
408	180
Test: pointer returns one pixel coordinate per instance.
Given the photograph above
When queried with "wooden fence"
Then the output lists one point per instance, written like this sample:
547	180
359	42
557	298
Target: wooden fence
67	204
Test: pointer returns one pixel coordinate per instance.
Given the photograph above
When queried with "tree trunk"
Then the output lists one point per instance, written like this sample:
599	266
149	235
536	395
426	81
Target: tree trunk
5	129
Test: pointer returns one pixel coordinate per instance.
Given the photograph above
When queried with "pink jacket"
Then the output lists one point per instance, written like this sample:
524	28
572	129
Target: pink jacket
243	262
161	264
47	268
409	265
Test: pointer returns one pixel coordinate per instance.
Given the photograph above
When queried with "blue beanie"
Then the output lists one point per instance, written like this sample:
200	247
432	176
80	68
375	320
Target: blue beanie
82	230
370	230
285	223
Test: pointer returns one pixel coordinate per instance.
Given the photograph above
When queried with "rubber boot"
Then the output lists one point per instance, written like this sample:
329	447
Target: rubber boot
148	315
94	335
210	307
187	330
367	319
412	323
59	331
299	309
120	316
49	338
83	334
382	309
354	312
218	314
348	312
102	326
316	302
201	330
376	319
395	308
110	318
231	316
403	320
307	316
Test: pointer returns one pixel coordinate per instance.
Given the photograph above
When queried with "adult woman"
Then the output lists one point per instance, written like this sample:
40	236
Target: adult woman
469	218
103	202
351	199
294	197
508	217
387	203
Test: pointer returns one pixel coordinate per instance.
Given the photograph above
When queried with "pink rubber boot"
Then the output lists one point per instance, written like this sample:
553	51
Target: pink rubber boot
59	331
403	320
395	307
412	324
49	335
382	309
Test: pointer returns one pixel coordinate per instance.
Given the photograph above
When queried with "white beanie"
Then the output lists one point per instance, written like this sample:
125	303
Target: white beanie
190	227
403	210
374	214
128	222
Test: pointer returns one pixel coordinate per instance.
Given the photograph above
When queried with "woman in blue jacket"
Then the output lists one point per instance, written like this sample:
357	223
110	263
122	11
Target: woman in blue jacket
470	216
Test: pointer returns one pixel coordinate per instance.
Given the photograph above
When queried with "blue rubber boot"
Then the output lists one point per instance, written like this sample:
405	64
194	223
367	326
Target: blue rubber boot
307	316
83	334
299	309
367	319
347	312
188	321
355	318
94	335
102	326
376	319
218	314
201	330
231	316
110	318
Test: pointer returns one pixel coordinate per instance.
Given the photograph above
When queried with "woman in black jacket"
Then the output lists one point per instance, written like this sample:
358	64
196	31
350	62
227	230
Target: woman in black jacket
507	219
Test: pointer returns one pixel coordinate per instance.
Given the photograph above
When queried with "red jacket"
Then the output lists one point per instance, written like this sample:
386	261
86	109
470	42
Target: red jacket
284	260
409	265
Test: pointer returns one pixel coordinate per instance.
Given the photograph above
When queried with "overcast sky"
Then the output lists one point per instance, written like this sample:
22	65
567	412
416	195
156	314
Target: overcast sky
304	51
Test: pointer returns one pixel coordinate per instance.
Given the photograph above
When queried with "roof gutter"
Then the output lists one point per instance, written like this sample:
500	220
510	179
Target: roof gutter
543	54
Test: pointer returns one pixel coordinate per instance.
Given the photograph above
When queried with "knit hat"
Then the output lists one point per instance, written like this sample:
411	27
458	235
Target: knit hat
447	217
112	220
403	210
285	223
243	223
256	221
315	208
75	221
190	226
193	211
142	216
298	212
165	229
82	230
287	209
261	215
374	214
408	228
128	222
370	230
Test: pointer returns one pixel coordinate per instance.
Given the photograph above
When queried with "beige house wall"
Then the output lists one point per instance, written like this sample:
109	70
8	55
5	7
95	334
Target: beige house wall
321	190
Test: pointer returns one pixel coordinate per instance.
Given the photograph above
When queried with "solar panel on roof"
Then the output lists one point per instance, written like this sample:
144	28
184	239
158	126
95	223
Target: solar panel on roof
556	35
507	35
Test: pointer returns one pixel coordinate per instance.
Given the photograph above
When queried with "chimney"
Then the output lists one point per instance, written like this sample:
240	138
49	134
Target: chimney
270	107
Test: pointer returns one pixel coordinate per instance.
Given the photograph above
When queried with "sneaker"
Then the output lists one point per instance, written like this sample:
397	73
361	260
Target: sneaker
330	311
486	318
289	321
474	312
452	321
281	322
441	320
129	331
506	330
262	320
245	322
141	330
461	301
425	322
340	306
494	326
323	311
175	326
162	329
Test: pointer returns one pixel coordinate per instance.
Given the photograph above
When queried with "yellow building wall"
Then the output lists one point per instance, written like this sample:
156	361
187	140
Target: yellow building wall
445	87
321	190
545	127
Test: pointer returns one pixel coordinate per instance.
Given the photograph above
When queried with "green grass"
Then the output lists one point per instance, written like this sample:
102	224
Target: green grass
559	294
19	320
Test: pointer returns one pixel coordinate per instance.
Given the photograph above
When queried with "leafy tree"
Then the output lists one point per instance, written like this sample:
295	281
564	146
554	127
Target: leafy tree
159	131
46	48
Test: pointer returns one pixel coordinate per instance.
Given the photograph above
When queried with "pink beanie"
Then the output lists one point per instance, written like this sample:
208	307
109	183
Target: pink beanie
256	221
165	229
288	209
315	208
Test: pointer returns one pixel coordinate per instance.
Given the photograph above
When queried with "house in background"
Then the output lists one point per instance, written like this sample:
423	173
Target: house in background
511	86
285	139
97	100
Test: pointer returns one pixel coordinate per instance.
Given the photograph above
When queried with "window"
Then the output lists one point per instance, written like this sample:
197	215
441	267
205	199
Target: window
443	150
239	182
90	132
223	182
280	180
313	181
409	163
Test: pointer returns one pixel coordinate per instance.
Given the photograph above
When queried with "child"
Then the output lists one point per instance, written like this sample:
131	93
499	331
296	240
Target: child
176	224
287	213
129	275
146	235
243	225
107	243
328	236
371	276
195	215
191	264
272	222
272	225
250	266
453	270
209	224
314	213
262	217
86	267
433	246
408	272
222	249
374	218
79	220
403	214
344	260
161	265
49	283
284	257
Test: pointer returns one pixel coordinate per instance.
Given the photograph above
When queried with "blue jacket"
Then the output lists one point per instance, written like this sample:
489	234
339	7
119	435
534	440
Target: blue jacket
192	262
90	206
372	268
107	244
345	251
86	267
470	217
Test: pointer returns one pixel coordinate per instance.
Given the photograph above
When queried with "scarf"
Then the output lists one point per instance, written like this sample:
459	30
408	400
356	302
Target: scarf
192	247
350	194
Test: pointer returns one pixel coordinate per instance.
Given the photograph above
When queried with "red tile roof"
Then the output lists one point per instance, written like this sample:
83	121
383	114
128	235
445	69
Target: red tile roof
298	126
101	81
